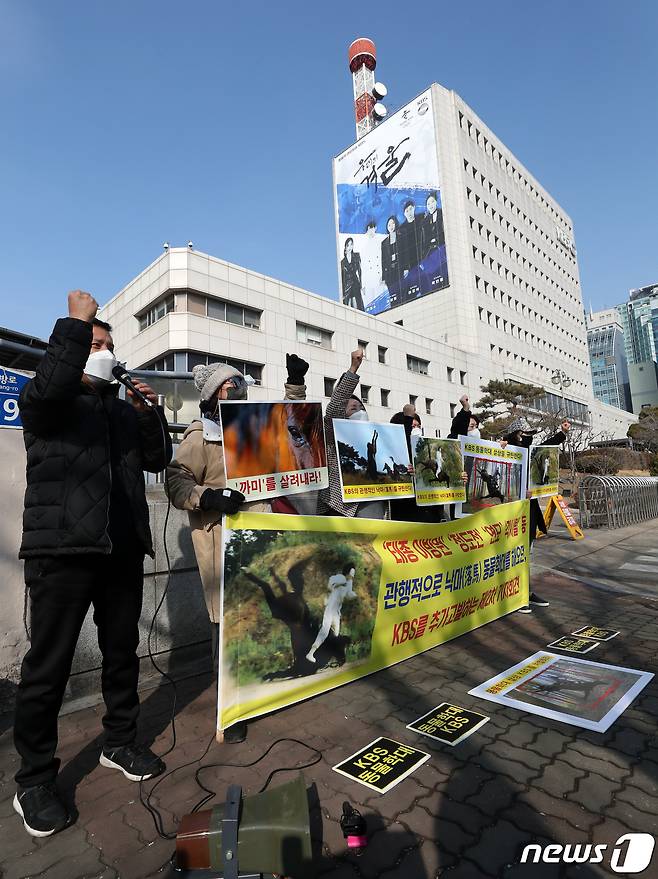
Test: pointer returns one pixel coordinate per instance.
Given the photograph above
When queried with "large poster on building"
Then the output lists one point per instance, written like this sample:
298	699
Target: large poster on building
389	212
312	602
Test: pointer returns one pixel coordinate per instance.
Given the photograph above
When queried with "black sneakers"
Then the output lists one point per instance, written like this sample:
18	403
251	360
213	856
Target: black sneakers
137	762
42	811
540	602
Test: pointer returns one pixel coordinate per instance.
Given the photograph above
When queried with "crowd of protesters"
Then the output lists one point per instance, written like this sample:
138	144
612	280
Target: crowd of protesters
86	527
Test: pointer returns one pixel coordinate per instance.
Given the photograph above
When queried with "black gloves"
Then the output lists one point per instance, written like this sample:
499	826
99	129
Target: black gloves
222	500
297	369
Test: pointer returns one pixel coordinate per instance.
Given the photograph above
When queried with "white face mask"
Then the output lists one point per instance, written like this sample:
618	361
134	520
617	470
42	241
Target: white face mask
475	432
416	431
359	415
100	364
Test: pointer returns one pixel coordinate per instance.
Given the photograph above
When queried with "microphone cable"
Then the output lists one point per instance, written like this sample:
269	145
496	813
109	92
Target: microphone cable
209	793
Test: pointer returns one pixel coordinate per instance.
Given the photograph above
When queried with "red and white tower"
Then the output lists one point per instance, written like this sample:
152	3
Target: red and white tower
367	93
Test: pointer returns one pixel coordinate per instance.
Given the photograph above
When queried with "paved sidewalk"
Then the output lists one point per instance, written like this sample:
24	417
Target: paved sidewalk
467	813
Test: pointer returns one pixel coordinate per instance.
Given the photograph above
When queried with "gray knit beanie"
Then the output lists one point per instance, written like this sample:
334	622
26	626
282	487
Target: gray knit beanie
208	379
519	425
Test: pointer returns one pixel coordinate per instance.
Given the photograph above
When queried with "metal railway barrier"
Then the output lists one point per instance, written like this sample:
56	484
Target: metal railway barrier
616	501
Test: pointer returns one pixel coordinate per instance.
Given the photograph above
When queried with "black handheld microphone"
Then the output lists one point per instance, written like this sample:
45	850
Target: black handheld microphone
123	376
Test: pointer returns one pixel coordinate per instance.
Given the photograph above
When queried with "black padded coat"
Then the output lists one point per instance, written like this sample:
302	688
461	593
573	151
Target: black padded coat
68	430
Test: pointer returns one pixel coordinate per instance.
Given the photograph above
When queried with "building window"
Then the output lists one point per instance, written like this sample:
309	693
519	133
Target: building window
156	312
363	345
453	409
462	377
412	399
384	394
185	361
232	313
365	393
329	386
450	372
428	405
162	364
381	355
314	335
416	364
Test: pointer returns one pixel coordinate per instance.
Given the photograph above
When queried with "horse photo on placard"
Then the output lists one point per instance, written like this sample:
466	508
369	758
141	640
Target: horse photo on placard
273	449
438	468
373	459
544	473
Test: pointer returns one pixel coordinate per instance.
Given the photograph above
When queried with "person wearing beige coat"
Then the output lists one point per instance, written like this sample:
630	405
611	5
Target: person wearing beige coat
196	478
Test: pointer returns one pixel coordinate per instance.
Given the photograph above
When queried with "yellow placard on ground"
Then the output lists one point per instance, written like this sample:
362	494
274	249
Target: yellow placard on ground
310	603
559	504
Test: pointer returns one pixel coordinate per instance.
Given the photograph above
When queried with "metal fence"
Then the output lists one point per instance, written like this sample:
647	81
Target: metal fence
615	501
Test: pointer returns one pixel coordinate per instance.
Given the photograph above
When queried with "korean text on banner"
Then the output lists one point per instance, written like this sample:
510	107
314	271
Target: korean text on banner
274	449
310	603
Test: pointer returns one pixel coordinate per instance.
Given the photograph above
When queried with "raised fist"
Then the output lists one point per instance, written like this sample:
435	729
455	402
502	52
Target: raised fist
357	359
297	369
82	306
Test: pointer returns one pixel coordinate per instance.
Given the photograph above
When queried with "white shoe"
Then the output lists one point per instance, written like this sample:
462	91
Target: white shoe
310	657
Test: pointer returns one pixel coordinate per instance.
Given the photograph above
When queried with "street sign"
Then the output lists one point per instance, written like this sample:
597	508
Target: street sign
11	384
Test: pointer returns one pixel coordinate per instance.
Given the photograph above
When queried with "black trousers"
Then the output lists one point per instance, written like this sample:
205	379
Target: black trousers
61	590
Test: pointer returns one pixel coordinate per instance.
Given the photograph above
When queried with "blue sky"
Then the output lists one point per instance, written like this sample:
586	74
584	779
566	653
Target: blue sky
125	124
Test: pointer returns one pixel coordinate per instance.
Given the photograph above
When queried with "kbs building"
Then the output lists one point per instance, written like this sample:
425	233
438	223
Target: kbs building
605	338
466	271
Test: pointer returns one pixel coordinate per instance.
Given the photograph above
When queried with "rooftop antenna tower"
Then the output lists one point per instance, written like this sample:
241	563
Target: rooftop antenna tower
368	94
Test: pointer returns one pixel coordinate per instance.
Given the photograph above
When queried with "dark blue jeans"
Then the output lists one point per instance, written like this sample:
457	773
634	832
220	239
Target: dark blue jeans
62	588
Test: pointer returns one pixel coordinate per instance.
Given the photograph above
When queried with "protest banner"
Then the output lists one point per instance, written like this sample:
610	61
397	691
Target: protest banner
576	691
438	468
544	472
596	633
373	460
273	449
313	602
448	723
495	475
382	764
573	645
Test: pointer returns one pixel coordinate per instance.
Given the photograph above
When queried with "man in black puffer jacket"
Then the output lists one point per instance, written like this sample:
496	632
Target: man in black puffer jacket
85	534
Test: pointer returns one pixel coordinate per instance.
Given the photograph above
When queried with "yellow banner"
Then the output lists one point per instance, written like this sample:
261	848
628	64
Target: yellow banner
310	603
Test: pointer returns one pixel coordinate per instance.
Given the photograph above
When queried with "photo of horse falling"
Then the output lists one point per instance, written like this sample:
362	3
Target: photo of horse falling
495	475
274	449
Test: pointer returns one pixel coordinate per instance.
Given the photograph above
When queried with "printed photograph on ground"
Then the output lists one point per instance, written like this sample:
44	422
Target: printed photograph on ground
588	694
374	460
495	475
273	449
544	474
438	468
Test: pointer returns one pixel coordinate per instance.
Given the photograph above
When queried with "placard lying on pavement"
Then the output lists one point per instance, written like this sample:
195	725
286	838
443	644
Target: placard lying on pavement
596	634
574	645
586	694
382	764
448	723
